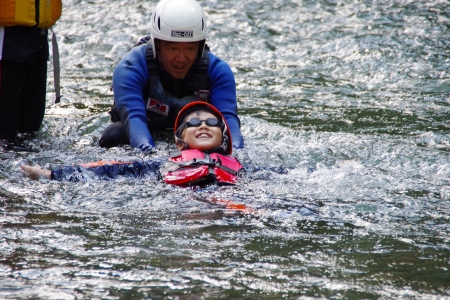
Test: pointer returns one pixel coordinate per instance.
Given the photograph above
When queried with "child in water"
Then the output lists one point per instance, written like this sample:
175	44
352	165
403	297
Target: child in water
203	156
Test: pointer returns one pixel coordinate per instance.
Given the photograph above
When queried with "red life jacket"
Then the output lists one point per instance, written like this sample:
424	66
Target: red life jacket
194	167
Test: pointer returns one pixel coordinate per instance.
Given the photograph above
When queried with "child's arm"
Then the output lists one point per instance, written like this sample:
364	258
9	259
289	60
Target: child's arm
36	172
97	170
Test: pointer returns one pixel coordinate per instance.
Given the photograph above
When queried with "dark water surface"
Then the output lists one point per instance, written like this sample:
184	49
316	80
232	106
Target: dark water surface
353	97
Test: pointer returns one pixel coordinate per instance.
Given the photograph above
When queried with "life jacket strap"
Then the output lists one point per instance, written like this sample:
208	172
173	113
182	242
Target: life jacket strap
229	170
200	80
152	66
207	161
56	67
174	153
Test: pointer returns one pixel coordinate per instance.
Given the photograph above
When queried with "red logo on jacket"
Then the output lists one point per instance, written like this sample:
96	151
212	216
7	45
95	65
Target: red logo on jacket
157	107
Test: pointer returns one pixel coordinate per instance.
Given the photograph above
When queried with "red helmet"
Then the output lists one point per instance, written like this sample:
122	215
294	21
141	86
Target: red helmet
189	108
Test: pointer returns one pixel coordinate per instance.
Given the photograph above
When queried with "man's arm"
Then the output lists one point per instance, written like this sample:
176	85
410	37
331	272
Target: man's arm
129	81
223	96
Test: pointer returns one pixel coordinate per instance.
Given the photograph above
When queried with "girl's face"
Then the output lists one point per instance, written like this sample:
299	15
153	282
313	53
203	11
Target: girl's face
203	137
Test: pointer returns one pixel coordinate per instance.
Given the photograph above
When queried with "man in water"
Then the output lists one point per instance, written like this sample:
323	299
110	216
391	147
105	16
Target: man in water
155	80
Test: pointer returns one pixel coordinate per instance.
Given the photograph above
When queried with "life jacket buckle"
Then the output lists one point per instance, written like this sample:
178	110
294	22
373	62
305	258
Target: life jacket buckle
202	95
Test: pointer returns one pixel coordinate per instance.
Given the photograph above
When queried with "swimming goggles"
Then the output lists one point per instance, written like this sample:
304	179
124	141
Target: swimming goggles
196	122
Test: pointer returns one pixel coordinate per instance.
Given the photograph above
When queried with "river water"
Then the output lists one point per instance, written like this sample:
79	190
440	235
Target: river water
345	110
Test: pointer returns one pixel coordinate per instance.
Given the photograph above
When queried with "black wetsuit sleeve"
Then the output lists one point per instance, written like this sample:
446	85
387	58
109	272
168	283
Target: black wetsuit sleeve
69	173
107	171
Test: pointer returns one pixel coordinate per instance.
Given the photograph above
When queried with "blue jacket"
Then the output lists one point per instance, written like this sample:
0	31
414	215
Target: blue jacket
129	83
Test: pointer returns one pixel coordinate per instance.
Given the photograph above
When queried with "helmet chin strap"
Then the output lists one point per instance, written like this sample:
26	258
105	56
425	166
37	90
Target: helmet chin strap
181	144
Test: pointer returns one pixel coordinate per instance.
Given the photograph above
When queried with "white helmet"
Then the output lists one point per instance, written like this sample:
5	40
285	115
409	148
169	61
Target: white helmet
178	21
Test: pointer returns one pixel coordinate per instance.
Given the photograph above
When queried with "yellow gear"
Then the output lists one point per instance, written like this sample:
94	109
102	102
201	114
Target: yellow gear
23	12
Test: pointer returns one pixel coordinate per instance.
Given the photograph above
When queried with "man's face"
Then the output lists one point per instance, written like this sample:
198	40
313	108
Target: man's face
178	57
203	137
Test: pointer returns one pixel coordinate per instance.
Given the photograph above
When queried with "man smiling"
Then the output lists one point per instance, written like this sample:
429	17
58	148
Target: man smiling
156	79
177	58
